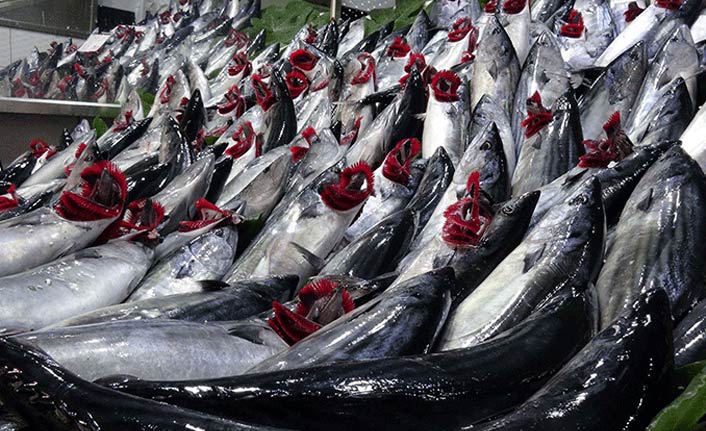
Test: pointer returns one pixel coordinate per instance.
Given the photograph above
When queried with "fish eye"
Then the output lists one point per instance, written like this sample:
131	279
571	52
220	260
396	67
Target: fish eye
508	210
485	146
581	199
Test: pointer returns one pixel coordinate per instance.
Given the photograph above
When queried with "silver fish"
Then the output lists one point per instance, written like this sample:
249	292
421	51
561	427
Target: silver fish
447	116
206	257
81	282
189	350
661	210
564	249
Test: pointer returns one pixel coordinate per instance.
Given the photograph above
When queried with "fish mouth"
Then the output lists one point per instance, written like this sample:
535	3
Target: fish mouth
320	303
445	86
460	29
102	194
141	217
206	214
367	69
354	187
398	162
468	218
298	151
513	7
263	93
297	83
303	60
244	138
240	64
234	102
399	48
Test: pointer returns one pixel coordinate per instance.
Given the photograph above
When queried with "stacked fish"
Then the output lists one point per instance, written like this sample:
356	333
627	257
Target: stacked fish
484	220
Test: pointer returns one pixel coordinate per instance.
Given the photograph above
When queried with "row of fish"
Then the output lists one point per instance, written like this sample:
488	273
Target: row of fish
362	231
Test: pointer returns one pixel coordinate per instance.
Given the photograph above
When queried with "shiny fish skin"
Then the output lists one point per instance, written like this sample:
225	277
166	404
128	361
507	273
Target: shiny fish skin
83	402
660	211
206	257
690	337
84	281
467	384
613	383
614	90
496	69
565	248
188	349
552	151
403	320
617	182
544	72
235	302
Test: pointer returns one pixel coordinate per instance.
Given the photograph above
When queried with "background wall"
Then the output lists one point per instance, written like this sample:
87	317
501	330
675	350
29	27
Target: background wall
16	44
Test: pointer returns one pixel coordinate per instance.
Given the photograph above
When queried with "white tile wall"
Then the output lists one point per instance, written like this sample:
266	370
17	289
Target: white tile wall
16	44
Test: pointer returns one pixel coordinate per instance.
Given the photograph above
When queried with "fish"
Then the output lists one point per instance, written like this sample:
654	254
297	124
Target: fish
496	70
469	384
215	303
565	248
195	350
672	189
486	111
691	139
615	90
395	182
485	156
306	231
437	176
184	270
403	320
690	336
279	122
670	115
553	143
677	57
447	116
261	184
377	251
80	282
585	32
55	167
179	196
399	120
85	402
634	352
544	72
320	151
70	225
514	15
617	181
359	82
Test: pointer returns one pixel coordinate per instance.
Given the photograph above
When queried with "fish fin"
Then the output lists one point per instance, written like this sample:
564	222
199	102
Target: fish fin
493	70
66	249
573	175
533	258
212	285
315	261
247	332
645	203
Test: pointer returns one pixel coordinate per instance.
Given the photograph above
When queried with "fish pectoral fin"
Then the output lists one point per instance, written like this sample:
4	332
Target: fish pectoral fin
212	285
532	258
573	175
315	261
645	203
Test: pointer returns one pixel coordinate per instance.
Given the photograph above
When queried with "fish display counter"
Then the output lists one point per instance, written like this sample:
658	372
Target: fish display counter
442	215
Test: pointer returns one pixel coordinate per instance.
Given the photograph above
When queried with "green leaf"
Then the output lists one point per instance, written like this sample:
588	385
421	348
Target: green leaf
100	126
215	73
210	140
147	100
283	21
403	14
686	411
684	375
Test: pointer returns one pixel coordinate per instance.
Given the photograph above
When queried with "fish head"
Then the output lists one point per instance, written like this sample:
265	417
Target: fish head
397	164
101	194
355	184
